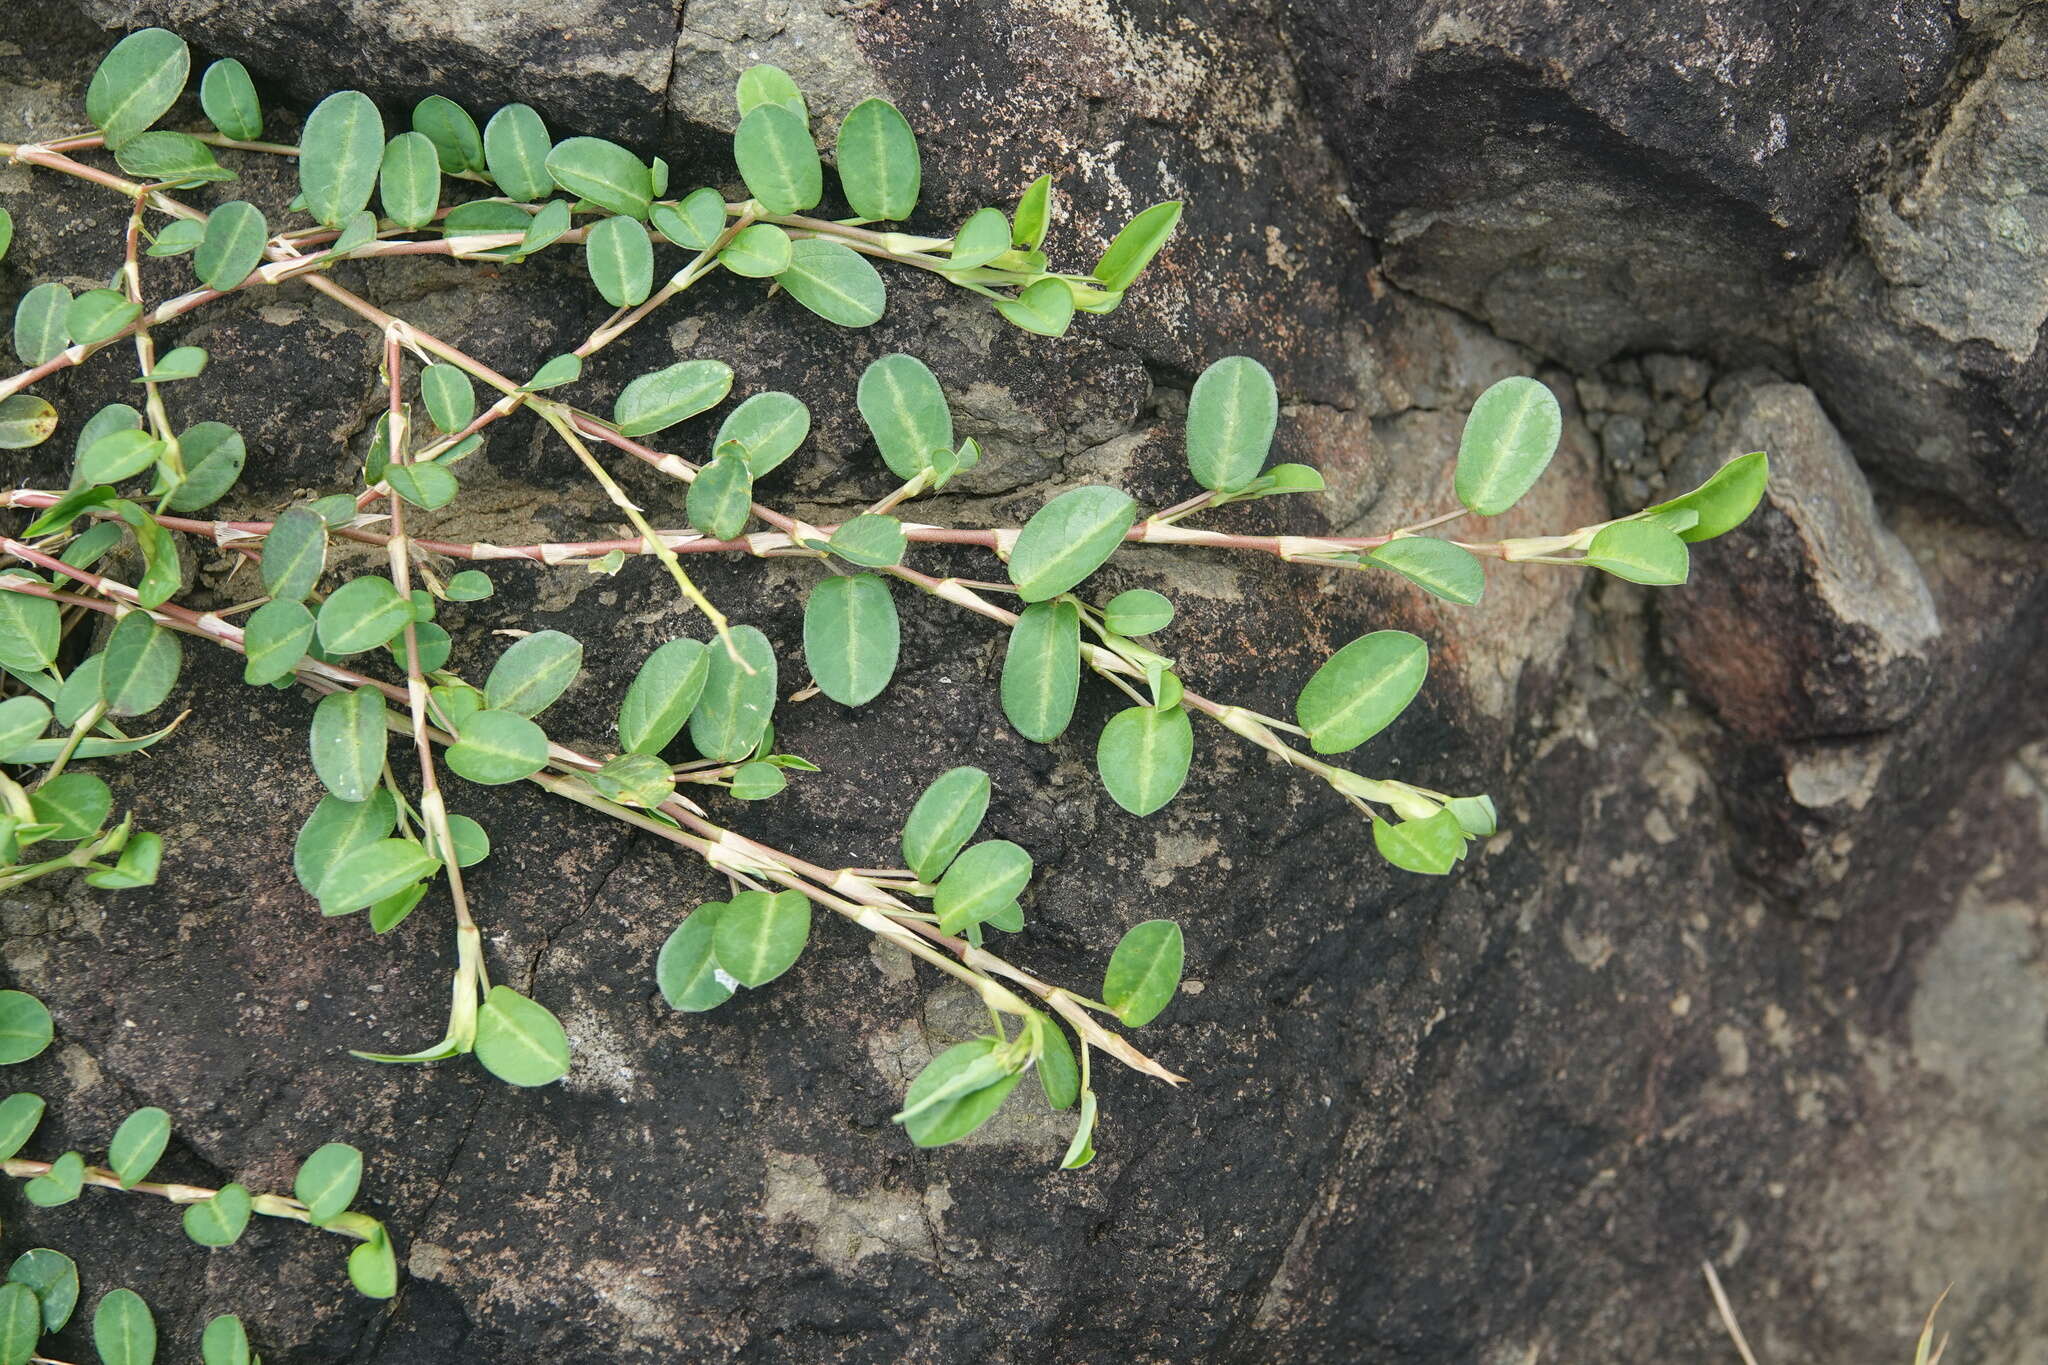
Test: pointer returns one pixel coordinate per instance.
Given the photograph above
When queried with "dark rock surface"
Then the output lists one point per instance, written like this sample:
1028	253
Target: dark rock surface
1751	974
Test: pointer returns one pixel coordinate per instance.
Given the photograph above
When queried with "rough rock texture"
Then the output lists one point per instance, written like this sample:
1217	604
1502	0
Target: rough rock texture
1856	661
1578	175
1751	973
1935	319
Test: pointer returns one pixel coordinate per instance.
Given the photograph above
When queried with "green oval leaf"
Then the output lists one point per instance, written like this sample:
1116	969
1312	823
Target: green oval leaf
687	968
140	859
472	842
339	155
1140	611
878	162
1058	1073
764	84
662	695
721	497
30	630
25	1029
93	543
1361	689
834	281
851	637
111	418
348	739
99	315
901	402
458	143
50	1275
736	705
873	540
362	614
170	159
142	662
228	99
22	720
1475	815
136	83
1137	244
545	228
337	828
232	245
603	173
177	237
1724	501
39	330
983	237
162	569
25	421
409	180
1069	538
757	252
621	261
327	1182
1507	444
694	223
19	1112
1641	552
655	402
432	643
219	1221
21	1323
138	1145
496	747
373	872
471	585
1144	971
769	427
1046	308
957	1092
778	160
758	937
294	553
182	362
943	820
1438	567
537	669
480	216
1042	670
60	1184
373	1265
516	151
981	882
1034	214
118	455
123	1330
757	782
79	691
1143	756
1232	413
275	639
77	805
519	1041
225	1341
449	395
1430	846
561	370
634	780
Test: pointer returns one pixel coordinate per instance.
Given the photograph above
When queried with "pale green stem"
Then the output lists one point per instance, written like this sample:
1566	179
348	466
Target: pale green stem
269	1205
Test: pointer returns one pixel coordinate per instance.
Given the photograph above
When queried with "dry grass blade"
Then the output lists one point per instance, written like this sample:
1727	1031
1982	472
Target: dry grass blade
1728	1315
1921	1356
